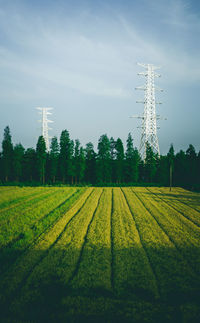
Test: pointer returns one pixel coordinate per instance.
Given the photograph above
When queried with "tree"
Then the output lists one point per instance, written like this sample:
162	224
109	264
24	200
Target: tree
41	159
119	160
113	159
30	165
65	157
180	168
79	162
162	173
7	154
198	169
104	160
170	157
150	164
132	161
18	155
191	160
81	171
53	157
90	164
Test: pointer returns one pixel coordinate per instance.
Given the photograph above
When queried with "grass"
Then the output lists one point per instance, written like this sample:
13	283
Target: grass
99	255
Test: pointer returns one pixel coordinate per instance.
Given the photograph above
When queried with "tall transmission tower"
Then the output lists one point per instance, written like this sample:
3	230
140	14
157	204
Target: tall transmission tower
45	112
149	117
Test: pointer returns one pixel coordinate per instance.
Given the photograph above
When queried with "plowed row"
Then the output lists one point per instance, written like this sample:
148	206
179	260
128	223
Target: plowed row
106	254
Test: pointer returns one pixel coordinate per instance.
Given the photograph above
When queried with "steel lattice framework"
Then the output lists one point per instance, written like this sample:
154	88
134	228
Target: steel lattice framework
45	112
149	117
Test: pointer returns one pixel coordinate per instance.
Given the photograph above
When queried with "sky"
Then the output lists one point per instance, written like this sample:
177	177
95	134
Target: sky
80	57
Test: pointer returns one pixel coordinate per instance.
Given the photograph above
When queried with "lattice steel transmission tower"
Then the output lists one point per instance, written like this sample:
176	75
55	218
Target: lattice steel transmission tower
149	117
45	112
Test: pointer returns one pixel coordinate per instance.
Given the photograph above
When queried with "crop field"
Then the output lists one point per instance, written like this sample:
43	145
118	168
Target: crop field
72	254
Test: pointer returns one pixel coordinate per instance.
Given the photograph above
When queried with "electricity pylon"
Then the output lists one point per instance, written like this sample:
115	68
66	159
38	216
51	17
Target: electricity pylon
149	117
45	112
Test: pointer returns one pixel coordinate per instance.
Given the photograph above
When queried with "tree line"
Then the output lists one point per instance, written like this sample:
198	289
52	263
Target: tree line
68	162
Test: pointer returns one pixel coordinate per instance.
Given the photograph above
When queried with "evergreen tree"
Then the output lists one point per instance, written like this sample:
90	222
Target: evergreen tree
53	157
18	155
171	158
41	159
1	167
191	158
7	155
180	168
198	169
113	160
30	165
104	160
77	159
150	164
81	172
90	164
65	157
162	173
132	160
119	161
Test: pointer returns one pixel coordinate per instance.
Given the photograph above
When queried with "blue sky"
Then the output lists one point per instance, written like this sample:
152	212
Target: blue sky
80	58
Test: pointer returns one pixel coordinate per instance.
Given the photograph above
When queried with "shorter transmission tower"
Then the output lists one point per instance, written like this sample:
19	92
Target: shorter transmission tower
45	112
149	117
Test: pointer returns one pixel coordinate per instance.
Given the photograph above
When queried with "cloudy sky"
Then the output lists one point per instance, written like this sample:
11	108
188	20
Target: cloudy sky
80	58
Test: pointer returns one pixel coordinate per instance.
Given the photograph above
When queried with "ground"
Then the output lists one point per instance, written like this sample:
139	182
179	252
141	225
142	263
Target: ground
99	254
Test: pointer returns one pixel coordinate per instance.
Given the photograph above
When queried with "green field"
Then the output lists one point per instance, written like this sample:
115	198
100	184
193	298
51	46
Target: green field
99	255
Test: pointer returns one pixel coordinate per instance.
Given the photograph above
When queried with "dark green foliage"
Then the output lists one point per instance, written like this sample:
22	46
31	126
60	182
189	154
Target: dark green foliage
132	161
90	164
7	154
104	160
65	157
191	164
53	158
150	164
69	163
79	162
41	159
18	155
119	161
29	165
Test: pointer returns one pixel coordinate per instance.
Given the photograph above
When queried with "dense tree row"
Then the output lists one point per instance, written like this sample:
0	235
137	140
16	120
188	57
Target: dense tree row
68	162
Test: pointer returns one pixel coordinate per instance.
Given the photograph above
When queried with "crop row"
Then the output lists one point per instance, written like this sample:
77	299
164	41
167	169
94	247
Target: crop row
182	232
181	205
39	251
34	222
94	271
16	196
170	268
23	218
132	270
125	243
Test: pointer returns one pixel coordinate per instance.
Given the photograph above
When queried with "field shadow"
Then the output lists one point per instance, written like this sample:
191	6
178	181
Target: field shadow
49	298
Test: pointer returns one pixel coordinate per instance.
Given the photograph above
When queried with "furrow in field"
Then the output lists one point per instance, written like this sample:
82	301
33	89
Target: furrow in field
61	259
189	198
173	273
93	273
16	248
126	196
185	210
26	205
15	277
112	274
185	238
16	200
191	203
133	275
181	217
21	225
